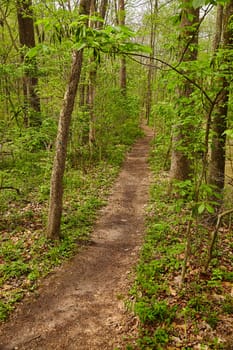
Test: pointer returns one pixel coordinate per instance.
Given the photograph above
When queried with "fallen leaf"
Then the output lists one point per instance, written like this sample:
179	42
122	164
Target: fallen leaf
172	291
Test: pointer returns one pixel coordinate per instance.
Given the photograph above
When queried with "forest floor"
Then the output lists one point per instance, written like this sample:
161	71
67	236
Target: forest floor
81	304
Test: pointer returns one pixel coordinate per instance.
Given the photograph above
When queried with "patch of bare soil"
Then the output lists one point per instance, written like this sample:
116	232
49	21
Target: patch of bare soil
80	306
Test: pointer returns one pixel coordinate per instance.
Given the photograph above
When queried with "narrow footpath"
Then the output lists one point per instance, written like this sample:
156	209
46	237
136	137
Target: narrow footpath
81	305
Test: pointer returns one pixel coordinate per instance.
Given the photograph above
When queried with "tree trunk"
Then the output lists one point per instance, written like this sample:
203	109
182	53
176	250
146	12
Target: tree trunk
91	88
30	81
56	191
219	124
150	75
219	28
92	78
123	72
180	160
102	11
91	100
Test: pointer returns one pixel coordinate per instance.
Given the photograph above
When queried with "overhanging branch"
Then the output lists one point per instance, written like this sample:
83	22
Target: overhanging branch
180	72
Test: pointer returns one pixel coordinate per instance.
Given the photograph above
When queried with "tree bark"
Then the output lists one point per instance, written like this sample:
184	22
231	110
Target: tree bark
219	124
219	28
56	190
180	160
150	75
91	87
102	11
123	71
30	81
92	77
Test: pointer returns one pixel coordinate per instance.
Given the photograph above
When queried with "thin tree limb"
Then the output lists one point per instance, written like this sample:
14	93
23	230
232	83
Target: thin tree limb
214	236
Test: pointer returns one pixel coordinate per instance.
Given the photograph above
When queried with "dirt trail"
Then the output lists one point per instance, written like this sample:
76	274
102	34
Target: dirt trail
80	306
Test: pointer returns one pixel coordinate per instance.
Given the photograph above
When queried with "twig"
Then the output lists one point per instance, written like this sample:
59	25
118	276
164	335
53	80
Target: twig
214	236
187	252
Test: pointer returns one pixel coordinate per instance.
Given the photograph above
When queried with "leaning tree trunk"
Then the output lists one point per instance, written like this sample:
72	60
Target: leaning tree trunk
180	160
219	124
56	190
30	81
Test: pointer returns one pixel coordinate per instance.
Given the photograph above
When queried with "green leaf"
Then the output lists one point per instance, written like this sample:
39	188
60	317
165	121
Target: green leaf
201	208
125	30
209	208
79	46
229	133
32	52
198	3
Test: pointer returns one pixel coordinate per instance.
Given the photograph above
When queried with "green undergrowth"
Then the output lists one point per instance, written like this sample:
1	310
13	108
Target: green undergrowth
25	253
196	314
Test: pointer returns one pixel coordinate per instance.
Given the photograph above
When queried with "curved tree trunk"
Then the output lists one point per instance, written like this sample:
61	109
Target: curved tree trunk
56	190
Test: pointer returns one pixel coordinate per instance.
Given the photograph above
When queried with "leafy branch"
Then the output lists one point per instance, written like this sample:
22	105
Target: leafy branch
175	69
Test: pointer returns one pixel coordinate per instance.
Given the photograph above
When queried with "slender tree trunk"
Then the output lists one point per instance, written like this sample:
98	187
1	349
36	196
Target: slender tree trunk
92	78
56	191
218	151
149	92
30	80
102	11
150	75
180	160
91	101
82	93
219	28
219	124
123	71
91	88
